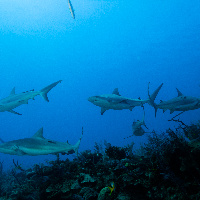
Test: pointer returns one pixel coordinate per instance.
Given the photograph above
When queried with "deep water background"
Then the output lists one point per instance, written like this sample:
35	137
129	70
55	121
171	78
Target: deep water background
110	44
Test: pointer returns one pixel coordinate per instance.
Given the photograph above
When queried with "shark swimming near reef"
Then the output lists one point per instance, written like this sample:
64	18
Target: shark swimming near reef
137	127
15	100
179	103
38	145
117	102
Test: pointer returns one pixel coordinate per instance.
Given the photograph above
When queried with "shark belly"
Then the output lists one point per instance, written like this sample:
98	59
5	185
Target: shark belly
43	147
178	105
36	152
187	107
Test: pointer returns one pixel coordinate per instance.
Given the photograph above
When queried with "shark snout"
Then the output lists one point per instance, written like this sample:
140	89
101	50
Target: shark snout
89	99
92	99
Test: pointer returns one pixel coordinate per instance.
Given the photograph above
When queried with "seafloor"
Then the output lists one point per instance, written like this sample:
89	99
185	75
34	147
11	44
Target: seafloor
167	167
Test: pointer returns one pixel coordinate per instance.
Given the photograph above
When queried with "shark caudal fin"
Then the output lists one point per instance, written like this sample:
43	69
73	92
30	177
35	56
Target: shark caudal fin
44	91
152	97
143	122
76	146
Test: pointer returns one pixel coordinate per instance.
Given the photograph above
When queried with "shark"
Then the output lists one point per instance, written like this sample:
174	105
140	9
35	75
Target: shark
179	103
117	102
38	145
14	100
137	127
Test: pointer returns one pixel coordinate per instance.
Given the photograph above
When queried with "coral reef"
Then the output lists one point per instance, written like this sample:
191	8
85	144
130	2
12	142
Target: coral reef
167	167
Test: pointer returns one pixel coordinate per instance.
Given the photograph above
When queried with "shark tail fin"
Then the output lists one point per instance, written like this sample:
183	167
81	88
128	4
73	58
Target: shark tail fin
152	97
143	122
143	118
76	146
44	91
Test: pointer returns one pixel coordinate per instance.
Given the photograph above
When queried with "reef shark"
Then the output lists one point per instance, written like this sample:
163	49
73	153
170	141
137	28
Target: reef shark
137	127
38	145
179	103
15	100
117	102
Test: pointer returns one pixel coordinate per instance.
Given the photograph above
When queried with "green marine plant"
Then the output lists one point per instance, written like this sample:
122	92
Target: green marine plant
112	188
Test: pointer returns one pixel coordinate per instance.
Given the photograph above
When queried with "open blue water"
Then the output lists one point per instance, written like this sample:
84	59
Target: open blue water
111	43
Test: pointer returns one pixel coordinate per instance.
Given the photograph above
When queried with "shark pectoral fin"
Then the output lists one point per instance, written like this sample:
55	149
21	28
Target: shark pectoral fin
15	147
18	151
14	112
103	110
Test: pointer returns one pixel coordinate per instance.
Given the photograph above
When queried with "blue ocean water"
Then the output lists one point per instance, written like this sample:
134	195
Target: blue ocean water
110	44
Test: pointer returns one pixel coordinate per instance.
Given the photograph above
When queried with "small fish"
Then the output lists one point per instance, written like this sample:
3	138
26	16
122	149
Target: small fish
71	9
112	187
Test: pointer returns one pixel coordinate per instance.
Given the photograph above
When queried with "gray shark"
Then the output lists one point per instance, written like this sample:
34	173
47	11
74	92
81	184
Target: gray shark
179	103
137	127
15	100
117	102
38	145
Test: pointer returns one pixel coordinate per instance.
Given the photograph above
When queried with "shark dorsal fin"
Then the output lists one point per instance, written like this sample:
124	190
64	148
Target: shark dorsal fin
179	93
12	91
39	134
115	91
